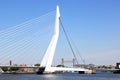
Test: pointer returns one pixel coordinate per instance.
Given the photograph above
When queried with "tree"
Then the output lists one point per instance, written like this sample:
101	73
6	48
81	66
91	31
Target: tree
5	69
60	66
9	69
14	68
37	65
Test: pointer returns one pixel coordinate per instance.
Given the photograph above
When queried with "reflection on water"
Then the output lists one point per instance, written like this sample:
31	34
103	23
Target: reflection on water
66	76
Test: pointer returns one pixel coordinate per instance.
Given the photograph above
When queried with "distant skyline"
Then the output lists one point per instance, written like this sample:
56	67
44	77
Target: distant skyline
94	25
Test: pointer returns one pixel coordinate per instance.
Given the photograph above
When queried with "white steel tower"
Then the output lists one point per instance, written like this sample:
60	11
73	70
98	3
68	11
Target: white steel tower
48	57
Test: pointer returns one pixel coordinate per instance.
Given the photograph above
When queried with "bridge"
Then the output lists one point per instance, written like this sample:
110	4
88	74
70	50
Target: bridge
27	34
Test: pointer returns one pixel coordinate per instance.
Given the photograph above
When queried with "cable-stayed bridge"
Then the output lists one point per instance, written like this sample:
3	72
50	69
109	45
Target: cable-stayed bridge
22	43
26	43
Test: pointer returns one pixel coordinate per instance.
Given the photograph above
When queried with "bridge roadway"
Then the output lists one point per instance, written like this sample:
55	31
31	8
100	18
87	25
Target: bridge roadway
27	66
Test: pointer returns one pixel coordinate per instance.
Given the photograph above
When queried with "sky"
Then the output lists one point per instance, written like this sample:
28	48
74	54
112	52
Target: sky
94	25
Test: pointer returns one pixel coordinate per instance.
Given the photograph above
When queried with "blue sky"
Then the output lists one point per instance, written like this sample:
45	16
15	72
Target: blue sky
94	25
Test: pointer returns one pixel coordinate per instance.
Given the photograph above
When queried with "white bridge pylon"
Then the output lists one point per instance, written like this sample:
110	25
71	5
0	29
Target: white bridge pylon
48	57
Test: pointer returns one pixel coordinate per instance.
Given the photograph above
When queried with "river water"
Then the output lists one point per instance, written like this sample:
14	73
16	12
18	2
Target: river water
65	76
